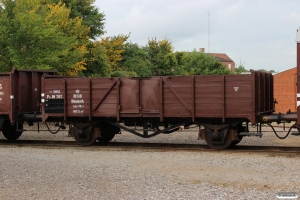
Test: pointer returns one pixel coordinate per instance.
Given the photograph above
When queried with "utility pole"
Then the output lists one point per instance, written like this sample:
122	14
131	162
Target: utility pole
208	33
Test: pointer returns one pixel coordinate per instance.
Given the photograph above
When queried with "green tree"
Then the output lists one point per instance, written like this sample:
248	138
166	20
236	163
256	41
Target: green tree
203	64
181	58
96	65
162	58
240	69
36	35
104	57
90	15
269	71
94	19
6	14
135	60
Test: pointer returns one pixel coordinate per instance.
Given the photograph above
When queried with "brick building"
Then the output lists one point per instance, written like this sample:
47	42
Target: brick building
223	58
285	90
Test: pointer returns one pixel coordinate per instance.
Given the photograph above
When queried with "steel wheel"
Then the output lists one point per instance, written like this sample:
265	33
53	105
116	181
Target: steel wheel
107	132
12	132
84	136
236	141
220	140
239	129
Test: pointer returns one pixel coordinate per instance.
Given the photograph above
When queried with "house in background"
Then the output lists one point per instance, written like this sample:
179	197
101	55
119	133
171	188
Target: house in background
285	90
223	58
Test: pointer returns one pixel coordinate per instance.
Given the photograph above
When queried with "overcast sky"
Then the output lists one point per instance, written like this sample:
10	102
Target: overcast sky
258	33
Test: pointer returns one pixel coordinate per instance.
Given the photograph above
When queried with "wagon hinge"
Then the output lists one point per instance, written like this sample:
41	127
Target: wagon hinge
176	95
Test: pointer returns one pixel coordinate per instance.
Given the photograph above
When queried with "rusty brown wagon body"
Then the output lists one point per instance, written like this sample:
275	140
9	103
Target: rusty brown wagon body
20	93
194	98
220	102
97	108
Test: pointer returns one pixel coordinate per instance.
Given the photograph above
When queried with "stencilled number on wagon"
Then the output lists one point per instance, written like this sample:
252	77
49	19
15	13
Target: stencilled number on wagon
236	88
78	111
54	96
56	91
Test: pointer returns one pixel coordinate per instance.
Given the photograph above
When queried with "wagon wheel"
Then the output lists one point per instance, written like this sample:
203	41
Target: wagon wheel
84	136
107	132
12	132
235	142
240	137
219	140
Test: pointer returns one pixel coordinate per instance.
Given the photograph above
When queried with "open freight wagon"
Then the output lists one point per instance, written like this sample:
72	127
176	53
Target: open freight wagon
97	108
20	94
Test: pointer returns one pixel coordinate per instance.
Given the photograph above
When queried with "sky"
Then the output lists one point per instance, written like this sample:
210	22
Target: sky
260	34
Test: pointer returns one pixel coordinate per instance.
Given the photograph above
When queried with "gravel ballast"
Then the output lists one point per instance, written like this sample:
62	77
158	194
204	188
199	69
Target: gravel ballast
46	173
84	173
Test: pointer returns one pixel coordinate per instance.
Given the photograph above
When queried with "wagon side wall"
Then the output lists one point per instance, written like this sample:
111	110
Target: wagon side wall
5	93
224	97
20	92
194	97
27	90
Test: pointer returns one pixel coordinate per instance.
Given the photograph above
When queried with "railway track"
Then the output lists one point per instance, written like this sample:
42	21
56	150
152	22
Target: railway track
133	146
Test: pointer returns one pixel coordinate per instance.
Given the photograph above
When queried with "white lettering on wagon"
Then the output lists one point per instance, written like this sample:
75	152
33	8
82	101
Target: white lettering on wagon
78	106
77	96
236	88
78	101
78	111
54	96
56	91
1	93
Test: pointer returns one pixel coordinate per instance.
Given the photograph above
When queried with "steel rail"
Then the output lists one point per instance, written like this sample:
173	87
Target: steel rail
132	146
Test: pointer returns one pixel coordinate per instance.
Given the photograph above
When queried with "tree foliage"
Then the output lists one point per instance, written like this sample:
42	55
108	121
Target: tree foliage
181	58
113	47
269	71
36	35
96	61
157	58
240	69
90	15
161	56
204	64
62	35
135	60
